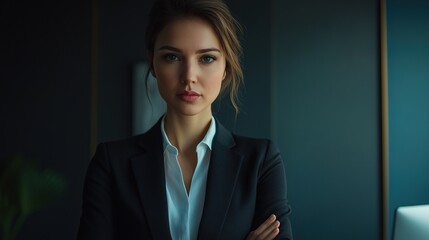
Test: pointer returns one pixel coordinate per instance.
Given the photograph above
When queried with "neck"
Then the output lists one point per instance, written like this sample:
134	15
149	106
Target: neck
185	132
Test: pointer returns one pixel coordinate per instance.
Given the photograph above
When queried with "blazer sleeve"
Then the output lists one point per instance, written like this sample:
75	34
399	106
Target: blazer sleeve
272	193
97	212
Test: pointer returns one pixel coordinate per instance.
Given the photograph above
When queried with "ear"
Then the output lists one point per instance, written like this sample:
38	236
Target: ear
150	60
224	75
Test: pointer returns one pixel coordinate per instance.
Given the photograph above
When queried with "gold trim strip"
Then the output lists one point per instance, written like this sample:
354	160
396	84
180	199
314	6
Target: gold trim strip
384	121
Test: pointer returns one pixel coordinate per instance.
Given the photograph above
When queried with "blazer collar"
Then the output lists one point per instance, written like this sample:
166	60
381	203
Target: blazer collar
148	169
224	167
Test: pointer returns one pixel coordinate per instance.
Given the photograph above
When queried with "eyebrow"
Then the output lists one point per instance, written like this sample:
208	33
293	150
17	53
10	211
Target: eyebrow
204	50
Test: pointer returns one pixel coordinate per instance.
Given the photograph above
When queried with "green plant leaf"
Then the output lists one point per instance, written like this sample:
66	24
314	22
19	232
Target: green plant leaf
9	183
23	190
39	189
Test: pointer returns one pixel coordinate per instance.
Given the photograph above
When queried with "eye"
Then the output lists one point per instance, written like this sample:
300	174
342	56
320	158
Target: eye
171	57
207	59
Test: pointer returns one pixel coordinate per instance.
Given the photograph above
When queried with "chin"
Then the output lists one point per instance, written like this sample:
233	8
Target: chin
191	111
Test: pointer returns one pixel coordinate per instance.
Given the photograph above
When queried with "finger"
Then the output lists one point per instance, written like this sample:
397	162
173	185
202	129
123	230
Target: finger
273	234
271	231
268	234
265	225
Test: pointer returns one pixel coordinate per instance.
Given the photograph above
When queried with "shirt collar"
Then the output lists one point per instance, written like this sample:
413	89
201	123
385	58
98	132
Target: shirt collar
207	140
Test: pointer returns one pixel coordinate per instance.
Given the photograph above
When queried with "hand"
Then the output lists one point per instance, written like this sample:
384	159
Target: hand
267	230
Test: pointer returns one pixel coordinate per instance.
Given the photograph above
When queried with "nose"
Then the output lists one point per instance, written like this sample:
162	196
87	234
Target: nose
189	73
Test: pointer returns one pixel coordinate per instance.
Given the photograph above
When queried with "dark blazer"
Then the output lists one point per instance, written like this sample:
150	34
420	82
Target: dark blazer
124	195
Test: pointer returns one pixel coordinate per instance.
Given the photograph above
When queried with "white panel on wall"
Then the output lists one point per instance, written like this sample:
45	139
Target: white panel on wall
148	105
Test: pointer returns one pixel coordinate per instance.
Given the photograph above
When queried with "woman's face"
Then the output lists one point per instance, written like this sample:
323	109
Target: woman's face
189	65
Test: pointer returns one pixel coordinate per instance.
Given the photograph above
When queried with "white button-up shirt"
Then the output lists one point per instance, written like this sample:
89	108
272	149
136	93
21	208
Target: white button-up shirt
185	211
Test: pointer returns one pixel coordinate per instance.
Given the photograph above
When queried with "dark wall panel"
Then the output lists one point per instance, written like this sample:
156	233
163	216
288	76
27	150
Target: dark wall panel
44	106
254	118
121	45
326	75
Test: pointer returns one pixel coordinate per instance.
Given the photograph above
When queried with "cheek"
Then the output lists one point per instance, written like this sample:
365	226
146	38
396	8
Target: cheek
216	75
215	83
164	82
166	77
220	76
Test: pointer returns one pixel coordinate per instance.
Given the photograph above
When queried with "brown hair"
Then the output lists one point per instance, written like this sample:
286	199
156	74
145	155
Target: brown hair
224	24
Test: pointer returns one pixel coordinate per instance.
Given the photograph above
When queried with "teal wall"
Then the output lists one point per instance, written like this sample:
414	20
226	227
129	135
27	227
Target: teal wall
326	118
408	70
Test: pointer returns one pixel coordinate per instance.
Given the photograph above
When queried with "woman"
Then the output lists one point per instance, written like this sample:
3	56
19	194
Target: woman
188	177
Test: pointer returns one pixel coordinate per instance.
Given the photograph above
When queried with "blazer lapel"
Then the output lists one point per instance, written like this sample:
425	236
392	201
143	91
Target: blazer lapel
148	169
221	179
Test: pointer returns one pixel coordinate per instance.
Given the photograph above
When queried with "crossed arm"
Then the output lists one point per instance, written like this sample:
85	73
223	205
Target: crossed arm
272	199
266	231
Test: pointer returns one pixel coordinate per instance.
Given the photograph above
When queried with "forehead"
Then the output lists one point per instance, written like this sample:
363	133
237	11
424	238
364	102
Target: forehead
188	33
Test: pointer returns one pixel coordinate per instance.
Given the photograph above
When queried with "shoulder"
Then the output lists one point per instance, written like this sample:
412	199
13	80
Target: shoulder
250	142
134	145
251	145
244	144
230	138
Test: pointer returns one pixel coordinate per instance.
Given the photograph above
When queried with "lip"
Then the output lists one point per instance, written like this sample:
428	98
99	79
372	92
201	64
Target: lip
189	96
